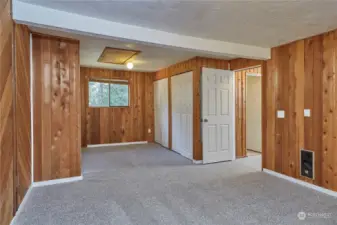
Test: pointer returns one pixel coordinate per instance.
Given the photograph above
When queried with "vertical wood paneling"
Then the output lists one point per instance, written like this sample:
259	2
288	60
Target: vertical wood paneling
302	75
119	124
280	102
282	67
149	108
56	108
299	103
15	152
161	74
270	109
313	99
74	107
240	151
197	149
22	109
6	114
329	161
240	63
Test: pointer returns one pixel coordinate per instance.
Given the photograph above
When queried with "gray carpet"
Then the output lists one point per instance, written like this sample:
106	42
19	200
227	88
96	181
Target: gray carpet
147	184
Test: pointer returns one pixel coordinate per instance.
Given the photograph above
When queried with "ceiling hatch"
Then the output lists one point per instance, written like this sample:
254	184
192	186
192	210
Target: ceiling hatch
117	55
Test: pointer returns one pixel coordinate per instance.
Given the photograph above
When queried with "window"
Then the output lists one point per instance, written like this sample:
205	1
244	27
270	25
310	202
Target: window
108	93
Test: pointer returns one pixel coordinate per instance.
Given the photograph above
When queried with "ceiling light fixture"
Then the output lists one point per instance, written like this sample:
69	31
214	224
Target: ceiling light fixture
129	65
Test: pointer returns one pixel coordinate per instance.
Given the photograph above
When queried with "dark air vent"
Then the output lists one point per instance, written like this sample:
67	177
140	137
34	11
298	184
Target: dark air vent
307	163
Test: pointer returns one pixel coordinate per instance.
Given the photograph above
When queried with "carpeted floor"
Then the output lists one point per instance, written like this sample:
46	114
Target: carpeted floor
147	184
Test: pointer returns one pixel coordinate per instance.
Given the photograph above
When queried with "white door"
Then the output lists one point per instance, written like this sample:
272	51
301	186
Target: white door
182	110
217	115
161	111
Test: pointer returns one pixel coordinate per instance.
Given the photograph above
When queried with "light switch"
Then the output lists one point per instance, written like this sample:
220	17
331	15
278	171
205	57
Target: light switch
280	114
307	113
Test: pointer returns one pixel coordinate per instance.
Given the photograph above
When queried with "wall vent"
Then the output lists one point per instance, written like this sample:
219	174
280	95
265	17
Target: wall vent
307	163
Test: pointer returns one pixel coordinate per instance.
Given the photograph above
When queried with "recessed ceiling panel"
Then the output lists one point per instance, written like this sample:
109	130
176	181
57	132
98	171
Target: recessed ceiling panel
116	55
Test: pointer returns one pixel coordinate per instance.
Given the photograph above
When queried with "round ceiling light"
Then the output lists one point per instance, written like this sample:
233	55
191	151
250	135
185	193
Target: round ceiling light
129	65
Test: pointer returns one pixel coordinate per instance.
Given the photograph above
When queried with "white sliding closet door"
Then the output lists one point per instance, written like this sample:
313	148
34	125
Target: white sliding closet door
161	111
182	109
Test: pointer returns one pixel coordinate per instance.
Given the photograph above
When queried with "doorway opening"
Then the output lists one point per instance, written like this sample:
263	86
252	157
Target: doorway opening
253	113
248	118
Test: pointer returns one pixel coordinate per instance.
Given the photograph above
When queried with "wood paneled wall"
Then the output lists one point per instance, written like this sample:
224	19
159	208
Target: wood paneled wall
22	110
195	65
240	108
302	75
240	63
6	114
57	120
119	124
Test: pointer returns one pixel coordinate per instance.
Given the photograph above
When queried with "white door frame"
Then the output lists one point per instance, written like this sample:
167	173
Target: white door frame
233	116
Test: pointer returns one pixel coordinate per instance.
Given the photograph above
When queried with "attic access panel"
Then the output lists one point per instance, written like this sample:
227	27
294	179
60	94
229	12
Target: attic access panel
116	55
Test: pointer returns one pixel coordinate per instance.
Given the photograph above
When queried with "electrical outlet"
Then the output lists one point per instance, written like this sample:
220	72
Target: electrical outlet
307	113
149	130
281	114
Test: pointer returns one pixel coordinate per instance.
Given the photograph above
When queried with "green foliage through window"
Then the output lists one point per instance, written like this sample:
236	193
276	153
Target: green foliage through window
105	94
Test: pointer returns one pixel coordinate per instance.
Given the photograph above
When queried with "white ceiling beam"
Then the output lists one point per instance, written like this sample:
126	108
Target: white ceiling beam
35	15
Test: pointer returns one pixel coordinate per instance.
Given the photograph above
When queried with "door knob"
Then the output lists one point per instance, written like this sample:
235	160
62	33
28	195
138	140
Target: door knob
205	120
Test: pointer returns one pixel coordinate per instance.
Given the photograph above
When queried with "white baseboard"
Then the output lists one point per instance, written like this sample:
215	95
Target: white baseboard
302	183
118	144
197	162
57	181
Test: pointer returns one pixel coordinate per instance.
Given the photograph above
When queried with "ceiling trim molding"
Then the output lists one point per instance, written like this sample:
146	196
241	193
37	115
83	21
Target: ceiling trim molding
56	19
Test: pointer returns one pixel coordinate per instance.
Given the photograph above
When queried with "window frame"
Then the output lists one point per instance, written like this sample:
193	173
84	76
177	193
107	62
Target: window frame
110	81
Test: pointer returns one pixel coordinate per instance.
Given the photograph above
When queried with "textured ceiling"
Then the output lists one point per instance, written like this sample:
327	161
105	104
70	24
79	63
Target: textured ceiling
256	22
151	58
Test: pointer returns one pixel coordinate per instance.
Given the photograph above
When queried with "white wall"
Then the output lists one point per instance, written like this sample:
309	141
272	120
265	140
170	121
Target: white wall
253	111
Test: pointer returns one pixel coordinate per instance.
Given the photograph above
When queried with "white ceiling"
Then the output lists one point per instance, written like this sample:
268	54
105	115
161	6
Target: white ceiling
151	58
255	22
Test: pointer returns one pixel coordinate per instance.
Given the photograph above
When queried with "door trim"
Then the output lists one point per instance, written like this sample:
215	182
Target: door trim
234	116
